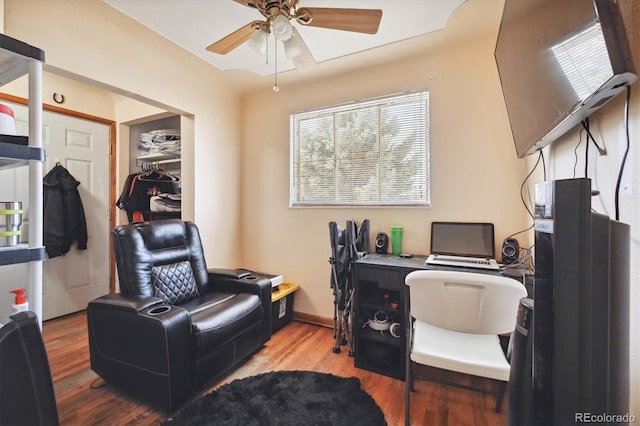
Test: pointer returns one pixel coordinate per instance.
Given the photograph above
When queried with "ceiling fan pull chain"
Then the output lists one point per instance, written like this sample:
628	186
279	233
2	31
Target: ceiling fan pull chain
275	60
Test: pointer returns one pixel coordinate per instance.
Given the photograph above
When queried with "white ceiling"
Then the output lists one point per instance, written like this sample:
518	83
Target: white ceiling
195	24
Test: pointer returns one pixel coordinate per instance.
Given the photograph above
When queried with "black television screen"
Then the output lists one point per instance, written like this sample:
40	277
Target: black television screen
558	62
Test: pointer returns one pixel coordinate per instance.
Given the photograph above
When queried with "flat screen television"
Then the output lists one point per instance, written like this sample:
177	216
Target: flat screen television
559	61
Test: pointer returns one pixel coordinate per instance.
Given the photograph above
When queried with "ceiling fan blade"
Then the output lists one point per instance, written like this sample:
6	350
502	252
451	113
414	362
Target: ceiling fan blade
235	39
357	20
248	3
297	51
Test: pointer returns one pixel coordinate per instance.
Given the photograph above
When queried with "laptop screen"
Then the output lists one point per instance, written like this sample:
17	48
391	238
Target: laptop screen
463	239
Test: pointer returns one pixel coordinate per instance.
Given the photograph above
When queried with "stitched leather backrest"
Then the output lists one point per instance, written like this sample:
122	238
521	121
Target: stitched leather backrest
174	283
162	258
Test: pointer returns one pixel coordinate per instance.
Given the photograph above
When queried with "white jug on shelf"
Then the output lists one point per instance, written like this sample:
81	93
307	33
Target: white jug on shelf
7	121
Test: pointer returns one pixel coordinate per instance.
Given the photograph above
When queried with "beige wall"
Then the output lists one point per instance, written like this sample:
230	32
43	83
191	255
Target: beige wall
90	40
77	96
475	173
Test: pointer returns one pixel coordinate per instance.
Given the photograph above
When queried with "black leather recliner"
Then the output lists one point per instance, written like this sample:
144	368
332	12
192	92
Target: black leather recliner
175	325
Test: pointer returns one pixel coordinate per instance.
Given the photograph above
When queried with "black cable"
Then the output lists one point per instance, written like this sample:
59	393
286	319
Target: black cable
585	125
575	153
626	152
601	151
520	232
522	187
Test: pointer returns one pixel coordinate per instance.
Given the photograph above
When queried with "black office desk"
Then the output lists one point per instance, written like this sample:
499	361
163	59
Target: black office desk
379	287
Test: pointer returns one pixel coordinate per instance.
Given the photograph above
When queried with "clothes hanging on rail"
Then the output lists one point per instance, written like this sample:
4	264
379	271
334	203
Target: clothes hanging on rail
138	189
64	219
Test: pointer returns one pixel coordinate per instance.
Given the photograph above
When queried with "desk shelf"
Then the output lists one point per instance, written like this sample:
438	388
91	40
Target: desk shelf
379	289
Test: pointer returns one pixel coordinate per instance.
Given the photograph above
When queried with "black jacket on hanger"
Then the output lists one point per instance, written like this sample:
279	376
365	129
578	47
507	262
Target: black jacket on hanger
64	219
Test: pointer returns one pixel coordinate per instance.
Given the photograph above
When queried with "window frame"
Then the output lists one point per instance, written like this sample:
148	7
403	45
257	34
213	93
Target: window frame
423	147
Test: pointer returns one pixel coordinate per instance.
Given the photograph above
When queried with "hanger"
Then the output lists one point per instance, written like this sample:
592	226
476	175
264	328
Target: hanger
149	168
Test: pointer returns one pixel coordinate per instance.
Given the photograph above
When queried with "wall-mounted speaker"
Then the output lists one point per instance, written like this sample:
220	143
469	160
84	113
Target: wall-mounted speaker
382	243
510	251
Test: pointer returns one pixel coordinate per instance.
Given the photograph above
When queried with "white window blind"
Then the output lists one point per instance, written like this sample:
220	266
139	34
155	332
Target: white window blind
367	153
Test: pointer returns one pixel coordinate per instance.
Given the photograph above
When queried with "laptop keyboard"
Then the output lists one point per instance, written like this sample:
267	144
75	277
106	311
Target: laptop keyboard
476	261
463	261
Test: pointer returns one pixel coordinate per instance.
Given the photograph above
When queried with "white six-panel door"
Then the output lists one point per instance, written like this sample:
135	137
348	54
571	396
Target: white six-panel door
82	147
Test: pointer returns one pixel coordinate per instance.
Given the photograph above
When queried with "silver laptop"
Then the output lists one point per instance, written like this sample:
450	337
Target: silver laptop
463	244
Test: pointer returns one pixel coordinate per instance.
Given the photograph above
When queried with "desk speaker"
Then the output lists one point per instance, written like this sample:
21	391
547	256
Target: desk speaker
382	243
510	251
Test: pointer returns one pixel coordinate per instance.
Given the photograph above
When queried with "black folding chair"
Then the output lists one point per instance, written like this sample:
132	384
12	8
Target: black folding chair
347	246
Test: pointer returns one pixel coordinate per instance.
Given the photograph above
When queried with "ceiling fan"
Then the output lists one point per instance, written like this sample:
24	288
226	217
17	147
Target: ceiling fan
279	13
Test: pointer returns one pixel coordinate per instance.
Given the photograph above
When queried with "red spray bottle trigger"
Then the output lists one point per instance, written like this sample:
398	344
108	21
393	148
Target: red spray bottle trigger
20	297
20	303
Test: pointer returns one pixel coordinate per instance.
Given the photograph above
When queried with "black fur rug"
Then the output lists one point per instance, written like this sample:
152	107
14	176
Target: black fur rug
284	398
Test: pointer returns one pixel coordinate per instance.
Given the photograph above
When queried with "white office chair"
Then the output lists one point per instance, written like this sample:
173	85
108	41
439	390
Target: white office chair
458	317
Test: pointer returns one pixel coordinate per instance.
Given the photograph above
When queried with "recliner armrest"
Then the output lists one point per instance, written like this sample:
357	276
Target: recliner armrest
227	273
126	302
235	281
143	345
239	282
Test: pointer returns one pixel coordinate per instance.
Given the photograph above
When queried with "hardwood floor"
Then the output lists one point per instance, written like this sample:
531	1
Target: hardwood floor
84	399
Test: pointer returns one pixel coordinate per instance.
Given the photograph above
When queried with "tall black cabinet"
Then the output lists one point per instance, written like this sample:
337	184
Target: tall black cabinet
581	320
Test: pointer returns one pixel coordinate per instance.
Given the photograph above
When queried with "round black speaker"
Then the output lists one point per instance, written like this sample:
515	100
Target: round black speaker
510	251
382	243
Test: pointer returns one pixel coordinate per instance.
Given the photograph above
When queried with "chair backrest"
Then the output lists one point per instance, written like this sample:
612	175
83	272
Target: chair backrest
26	388
465	301
347	245
162	258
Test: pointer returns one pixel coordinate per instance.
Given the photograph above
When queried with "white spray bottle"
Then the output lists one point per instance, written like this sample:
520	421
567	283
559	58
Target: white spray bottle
20	304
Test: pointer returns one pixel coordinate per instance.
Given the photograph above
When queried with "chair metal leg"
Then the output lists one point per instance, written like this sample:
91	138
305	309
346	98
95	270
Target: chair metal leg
500	396
408	365
408	388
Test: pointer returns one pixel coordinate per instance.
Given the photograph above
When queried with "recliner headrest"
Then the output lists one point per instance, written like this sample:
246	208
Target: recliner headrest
164	234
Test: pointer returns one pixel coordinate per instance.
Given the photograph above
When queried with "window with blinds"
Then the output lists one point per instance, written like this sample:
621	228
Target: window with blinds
366	153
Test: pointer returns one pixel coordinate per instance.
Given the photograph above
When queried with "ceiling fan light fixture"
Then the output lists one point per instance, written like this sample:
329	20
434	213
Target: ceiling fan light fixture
297	52
281	27
258	41
292	47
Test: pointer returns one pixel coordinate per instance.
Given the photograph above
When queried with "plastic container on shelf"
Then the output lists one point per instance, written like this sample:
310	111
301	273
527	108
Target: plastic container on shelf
10	223
7	121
